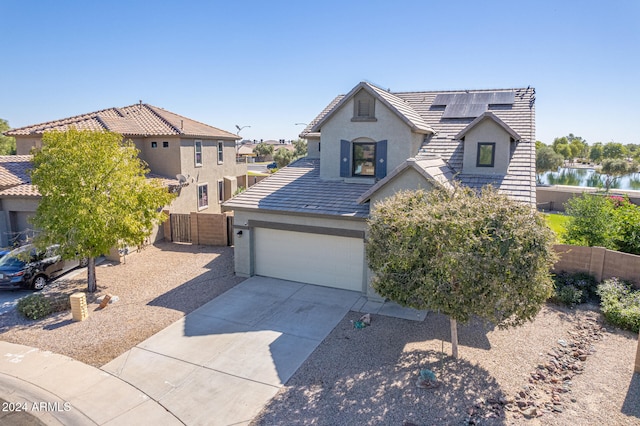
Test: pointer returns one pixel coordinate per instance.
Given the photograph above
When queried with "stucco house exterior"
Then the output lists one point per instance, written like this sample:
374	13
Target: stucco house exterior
308	221
194	159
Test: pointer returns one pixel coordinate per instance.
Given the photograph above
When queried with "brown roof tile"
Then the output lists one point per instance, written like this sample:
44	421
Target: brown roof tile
132	120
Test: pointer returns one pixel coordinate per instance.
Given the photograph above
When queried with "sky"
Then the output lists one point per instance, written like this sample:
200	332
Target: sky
272	64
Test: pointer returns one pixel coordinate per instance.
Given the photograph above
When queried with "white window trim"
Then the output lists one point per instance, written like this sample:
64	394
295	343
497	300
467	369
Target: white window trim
206	206
195	152
220	152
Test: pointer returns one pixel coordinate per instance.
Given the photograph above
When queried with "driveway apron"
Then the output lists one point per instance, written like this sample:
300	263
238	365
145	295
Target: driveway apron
223	362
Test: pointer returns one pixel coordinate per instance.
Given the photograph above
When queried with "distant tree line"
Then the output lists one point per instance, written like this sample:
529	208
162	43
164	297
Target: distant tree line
612	159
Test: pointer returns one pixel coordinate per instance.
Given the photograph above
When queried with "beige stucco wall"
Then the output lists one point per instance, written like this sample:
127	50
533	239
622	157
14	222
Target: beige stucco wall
24	144
402	143
409	179
163	161
209	173
14	216
244	256
313	148
486	131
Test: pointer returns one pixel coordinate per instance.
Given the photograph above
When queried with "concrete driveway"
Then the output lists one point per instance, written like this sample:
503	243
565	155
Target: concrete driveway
222	363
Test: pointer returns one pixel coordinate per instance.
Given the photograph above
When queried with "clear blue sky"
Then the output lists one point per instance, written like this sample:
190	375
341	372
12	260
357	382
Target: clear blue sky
271	64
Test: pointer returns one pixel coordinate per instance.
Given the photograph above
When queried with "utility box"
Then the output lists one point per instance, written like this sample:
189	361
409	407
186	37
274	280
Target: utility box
79	310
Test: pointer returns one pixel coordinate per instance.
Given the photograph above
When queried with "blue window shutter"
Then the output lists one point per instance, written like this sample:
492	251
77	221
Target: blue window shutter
381	159
345	158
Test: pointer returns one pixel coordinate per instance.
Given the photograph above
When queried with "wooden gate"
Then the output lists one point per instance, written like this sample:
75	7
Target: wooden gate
180	227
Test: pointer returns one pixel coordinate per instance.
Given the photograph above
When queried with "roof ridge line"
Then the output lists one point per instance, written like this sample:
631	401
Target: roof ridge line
187	118
66	120
154	112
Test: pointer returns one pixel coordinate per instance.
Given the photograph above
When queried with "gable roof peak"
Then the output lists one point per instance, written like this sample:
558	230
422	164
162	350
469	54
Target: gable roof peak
488	115
394	103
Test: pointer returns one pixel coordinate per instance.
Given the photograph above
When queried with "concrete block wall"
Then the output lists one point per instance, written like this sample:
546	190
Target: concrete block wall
209	229
599	262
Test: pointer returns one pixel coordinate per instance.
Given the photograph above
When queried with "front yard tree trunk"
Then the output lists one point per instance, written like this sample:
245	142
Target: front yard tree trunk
454	337
91	275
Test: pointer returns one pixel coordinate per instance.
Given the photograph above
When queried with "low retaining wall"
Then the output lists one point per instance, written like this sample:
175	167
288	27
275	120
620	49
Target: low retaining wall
599	262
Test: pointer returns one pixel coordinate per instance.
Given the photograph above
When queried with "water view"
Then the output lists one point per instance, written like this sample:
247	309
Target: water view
588	177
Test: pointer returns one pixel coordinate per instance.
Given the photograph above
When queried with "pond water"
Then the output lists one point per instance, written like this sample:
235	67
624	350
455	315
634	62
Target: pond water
588	177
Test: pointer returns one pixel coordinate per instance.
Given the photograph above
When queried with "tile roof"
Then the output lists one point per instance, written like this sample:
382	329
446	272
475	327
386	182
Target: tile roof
516	116
16	182
398	105
434	170
297	188
14	170
130	121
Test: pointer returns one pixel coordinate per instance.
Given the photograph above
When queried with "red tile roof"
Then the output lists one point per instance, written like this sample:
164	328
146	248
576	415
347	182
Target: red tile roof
133	120
16	182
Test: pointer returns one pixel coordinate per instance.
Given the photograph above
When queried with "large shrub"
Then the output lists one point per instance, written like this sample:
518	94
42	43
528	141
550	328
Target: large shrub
627	219
620	304
592	221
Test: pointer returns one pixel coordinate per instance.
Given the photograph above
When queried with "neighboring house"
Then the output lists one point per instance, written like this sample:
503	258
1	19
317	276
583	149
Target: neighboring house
308	222
194	159
245	151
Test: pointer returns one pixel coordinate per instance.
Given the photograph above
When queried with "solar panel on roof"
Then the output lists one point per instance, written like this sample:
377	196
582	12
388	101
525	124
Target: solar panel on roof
443	99
503	98
464	110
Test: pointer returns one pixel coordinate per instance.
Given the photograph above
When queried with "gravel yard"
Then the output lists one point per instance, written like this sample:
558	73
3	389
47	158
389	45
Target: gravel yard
368	376
156	287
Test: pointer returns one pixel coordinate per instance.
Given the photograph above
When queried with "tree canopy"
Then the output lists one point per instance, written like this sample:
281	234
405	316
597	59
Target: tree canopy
282	157
263	150
461	253
7	143
613	168
301	148
547	159
94	195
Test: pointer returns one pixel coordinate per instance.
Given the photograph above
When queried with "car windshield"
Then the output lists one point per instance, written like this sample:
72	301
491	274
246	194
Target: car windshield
10	261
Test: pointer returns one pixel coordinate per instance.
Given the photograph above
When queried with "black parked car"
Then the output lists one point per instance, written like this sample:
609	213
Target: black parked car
25	267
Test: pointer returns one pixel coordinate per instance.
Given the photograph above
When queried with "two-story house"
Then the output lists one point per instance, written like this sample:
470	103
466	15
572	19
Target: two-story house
194	159
307	223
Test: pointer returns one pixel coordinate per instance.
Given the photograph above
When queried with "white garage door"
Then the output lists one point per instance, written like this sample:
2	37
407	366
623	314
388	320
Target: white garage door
309	258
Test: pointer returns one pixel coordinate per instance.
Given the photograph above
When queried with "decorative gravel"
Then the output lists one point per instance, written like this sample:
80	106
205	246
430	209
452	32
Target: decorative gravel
156	286
368	376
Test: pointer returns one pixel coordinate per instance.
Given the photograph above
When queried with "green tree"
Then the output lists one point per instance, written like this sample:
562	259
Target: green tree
614	150
565	151
540	144
614	168
94	195
591	221
462	253
547	159
301	148
596	152
283	157
263	150
627	219
7	143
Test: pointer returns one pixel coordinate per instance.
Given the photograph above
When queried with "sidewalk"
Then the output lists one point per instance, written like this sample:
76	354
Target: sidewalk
59	390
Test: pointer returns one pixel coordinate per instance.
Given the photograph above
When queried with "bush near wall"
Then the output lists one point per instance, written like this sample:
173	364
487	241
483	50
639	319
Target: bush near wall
620	304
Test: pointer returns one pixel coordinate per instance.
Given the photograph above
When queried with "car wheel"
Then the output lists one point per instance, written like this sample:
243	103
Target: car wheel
39	282
84	262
